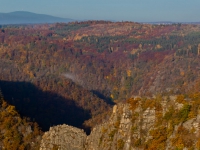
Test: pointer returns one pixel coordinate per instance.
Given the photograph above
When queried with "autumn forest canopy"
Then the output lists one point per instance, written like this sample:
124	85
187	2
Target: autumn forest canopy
73	73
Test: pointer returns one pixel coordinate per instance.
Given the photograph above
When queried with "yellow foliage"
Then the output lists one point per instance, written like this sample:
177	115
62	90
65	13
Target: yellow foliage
120	144
11	110
183	138
158	46
4	104
22	147
148	104
112	96
182	73
180	99
134	102
12	138
138	142
31	74
128	73
140	46
191	115
198	144
170	129
134	51
103	130
179	143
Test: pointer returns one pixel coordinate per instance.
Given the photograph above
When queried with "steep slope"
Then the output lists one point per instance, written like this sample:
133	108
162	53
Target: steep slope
16	132
157	123
48	107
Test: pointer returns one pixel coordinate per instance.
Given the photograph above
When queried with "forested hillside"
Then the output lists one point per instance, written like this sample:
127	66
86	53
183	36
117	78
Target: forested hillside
80	69
17	132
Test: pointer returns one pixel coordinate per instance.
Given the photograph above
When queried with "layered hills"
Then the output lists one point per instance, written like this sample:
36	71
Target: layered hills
74	73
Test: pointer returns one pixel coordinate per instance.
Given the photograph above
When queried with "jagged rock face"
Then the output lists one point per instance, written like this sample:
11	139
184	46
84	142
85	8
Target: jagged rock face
118	132
63	137
146	126
114	134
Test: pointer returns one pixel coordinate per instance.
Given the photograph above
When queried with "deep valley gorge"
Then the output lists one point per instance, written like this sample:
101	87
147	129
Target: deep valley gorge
100	85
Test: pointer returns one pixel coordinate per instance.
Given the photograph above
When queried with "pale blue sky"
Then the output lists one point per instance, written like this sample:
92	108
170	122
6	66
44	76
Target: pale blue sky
126	10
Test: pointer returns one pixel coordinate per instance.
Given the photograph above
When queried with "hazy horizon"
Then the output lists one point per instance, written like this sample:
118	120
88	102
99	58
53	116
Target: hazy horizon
116	10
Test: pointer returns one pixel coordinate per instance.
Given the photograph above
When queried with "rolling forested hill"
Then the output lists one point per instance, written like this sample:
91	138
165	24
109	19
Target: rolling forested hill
81	69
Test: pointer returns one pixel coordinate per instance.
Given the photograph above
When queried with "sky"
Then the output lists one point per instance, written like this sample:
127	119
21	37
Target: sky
114	10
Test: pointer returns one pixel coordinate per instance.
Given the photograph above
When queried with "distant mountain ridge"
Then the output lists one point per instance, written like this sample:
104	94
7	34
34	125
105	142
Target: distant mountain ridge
169	22
24	17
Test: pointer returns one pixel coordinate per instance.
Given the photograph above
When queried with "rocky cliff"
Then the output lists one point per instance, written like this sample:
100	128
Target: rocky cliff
142	123
63	137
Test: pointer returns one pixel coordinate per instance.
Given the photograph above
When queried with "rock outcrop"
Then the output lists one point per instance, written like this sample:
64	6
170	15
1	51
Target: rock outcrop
63	137
139	124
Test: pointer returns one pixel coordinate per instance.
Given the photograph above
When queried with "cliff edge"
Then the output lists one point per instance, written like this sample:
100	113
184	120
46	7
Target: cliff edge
142	123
